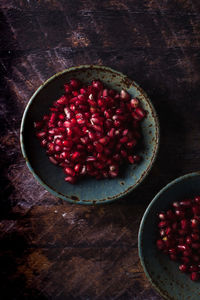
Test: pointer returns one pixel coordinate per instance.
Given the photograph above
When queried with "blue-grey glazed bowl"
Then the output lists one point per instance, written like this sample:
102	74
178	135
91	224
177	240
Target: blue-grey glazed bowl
89	190
163	273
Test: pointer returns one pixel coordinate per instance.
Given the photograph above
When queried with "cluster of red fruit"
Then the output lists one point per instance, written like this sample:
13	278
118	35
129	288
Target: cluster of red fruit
91	130
179	230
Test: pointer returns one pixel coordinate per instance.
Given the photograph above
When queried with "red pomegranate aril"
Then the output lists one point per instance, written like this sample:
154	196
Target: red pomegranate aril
41	134
162	232
196	210
137	158
182	247
130	158
124	95
70	171
75	156
172	251
180	213
53	160
113	174
183	268
188	240
70	179
104	140
168	230
131	144
134	102
64	155
162	216
173	257
193	268
195	246
194	276
74	83
196	258
78	168
90	158
194	223
160	244
97	84
186	260
195	236
38	125
98	146
197	199
184	224
43	143
67	88
187	253
67	143
83	170
176	204
163	224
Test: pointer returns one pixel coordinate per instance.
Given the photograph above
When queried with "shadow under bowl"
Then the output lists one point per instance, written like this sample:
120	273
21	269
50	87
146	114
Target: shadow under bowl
89	190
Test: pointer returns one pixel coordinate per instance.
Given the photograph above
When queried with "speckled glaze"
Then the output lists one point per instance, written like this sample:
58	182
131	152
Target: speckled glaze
159	269
87	191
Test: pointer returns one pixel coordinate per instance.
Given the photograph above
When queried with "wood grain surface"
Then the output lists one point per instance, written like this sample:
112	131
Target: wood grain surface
54	250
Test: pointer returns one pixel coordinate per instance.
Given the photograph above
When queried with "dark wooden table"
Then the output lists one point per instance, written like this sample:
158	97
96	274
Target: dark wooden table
54	250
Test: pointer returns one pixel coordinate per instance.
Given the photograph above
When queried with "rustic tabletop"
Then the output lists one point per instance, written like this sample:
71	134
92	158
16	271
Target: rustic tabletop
51	249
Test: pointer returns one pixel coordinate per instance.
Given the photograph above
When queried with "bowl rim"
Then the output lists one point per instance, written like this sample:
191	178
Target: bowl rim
49	188
142	224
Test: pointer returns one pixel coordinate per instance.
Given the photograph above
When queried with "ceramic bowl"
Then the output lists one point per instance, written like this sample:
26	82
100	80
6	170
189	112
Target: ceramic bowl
163	273
87	191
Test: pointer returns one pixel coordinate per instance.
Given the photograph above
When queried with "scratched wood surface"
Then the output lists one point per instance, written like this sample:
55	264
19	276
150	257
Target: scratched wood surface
54	250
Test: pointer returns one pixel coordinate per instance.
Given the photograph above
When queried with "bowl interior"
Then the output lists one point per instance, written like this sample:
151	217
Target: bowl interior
161	271
89	190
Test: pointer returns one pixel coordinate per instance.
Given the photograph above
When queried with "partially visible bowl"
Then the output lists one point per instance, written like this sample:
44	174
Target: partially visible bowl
88	191
163	273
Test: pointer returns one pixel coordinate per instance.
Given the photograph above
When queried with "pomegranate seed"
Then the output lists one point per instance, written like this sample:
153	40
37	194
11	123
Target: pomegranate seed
197	199
98	147
163	224
75	156
173	257
194	223
38	125
195	245
74	83
184	224
124	95
41	134
160	244
52	159
196	210
162	216
69	171
194	276
134	102
195	236
67	88
185	260
176	204
180	213
188	240
70	179
183	268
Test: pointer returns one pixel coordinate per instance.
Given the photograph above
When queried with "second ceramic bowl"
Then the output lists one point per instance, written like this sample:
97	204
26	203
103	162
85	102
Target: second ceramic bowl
163	273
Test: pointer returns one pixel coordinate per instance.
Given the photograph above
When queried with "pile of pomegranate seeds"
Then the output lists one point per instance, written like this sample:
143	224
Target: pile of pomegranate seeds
179	230
91	130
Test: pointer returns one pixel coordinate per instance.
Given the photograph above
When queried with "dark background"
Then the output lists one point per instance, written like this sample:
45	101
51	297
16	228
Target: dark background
54	250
